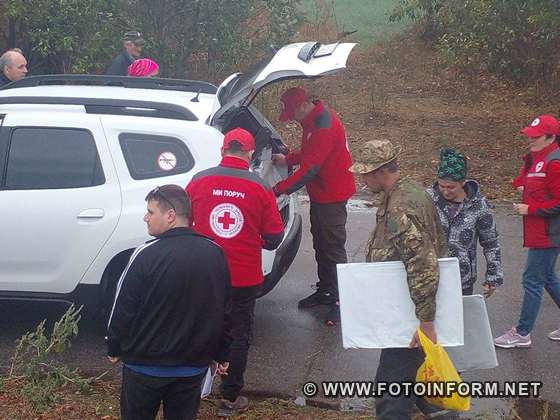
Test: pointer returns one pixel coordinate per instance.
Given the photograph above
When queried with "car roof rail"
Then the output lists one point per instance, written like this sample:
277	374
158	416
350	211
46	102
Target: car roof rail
109	106
121	81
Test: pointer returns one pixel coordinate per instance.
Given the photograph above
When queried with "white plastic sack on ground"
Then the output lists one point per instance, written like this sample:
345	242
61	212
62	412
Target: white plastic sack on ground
377	311
478	352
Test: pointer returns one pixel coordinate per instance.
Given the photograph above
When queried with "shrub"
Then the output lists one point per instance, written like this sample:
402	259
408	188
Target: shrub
35	361
515	39
62	36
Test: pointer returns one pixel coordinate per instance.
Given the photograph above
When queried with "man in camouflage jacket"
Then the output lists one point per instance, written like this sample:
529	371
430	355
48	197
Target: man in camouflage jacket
407	230
466	218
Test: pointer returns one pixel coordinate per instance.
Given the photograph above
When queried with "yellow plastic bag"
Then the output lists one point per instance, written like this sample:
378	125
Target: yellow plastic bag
437	367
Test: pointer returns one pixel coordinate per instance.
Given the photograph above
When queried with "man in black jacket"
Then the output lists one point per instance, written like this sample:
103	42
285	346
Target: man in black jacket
133	44
171	313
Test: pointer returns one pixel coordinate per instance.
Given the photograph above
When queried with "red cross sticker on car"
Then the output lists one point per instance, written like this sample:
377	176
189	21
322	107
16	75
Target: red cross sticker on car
226	220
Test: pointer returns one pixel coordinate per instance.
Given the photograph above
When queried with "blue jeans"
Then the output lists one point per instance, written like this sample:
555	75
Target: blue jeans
539	273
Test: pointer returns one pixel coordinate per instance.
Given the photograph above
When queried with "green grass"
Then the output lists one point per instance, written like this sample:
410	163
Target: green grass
369	17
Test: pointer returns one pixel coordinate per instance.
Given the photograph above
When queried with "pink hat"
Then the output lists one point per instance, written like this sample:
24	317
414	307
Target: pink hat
143	67
543	125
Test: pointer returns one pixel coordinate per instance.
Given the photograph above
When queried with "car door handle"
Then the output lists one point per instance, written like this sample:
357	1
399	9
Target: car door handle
91	214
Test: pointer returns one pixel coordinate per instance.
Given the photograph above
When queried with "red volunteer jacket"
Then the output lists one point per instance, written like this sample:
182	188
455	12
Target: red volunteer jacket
236	209
324	160
540	177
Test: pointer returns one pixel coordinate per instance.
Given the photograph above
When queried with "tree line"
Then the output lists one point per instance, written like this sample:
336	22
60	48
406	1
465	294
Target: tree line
515	39
185	37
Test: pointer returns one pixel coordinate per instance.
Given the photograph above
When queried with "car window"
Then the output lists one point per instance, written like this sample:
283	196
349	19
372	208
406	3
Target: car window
149	156
52	158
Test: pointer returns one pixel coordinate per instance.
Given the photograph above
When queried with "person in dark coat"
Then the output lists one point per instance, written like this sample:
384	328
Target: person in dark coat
133	44
171	316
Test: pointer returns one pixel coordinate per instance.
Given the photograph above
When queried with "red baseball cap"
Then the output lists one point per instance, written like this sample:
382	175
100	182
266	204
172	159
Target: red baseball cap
243	137
290	100
543	125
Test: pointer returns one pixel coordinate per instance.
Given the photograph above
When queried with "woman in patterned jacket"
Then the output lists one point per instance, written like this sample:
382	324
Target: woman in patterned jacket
467	219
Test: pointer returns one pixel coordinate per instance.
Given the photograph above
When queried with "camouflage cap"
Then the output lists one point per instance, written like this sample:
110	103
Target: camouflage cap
373	155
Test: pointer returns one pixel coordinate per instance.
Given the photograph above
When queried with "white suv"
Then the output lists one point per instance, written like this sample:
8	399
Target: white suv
78	153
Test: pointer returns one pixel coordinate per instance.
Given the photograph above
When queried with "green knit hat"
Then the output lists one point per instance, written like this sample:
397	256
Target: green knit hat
452	165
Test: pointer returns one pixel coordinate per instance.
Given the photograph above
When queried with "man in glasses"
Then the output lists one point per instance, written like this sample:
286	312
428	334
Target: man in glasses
237	209
133	44
170	319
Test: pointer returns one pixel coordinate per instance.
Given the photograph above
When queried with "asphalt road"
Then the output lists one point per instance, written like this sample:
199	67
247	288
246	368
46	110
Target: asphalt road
292	347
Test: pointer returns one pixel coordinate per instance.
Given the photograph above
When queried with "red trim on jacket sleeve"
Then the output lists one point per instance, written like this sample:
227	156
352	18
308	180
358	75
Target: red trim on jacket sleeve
319	147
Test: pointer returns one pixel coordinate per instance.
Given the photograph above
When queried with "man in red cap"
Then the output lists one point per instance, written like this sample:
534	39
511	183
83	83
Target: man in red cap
539	182
323	161
237	209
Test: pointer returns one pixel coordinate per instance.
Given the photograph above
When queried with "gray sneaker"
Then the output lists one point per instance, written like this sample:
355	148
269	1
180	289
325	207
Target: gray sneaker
511	339
555	335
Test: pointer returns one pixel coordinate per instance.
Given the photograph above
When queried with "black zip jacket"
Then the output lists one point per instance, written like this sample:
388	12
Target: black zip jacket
172	304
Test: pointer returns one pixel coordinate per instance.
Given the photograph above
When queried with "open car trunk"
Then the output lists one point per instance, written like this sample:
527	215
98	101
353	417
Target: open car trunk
232	107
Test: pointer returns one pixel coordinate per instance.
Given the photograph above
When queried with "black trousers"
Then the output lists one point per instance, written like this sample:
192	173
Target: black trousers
328	229
242	315
141	396
401	365
397	365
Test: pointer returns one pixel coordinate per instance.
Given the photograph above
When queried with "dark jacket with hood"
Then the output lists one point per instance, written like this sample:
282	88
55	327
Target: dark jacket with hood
473	222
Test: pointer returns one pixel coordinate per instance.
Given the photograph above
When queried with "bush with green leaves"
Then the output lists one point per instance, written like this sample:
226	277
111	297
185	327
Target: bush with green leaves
515	39
423	11
225	36
36	364
64	36
77	36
